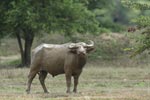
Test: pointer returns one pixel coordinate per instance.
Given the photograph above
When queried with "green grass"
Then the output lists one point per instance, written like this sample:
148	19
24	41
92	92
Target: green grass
106	83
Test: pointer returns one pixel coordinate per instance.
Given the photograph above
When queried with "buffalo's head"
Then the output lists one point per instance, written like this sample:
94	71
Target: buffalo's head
81	48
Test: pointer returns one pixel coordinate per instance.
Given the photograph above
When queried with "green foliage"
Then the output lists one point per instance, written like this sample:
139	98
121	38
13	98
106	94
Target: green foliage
142	5
143	23
2	17
75	18
67	16
110	14
144	19
111	26
64	16
143	42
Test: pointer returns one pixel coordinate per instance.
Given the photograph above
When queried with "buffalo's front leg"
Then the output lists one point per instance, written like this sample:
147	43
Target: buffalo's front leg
68	82
76	78
31	76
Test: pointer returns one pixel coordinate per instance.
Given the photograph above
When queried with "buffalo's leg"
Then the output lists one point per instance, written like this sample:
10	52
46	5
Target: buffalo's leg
76	78
42	76
31	76
68	82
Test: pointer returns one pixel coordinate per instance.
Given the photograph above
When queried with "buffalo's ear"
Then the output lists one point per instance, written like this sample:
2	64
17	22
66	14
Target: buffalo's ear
89	49
73	48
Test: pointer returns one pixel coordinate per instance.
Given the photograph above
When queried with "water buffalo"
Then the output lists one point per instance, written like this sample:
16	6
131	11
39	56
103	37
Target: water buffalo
57	59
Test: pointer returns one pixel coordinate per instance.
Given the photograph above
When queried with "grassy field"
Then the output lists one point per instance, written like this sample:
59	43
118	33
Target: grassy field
96	83
126	79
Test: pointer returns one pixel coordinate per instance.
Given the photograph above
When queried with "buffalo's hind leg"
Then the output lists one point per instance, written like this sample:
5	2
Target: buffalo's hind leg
31	76
42	76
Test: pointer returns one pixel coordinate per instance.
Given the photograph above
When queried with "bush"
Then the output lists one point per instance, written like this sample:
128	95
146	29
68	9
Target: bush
111	26
110	46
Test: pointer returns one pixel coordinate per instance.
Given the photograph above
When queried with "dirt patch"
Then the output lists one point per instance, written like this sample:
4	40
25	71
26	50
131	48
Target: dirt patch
80	96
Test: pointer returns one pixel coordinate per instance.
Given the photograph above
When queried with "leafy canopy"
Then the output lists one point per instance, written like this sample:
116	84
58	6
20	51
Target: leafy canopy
67	16
142	22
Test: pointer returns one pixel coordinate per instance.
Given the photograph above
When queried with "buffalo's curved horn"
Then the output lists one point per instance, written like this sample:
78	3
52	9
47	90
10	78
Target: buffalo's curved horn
91	44
72	45
82	43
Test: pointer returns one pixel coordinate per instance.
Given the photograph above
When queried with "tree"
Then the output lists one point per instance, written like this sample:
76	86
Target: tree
143	24
110	14
3	8
26	18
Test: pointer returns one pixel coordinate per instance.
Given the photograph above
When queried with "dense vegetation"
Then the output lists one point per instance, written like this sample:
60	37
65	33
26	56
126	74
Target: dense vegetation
143	24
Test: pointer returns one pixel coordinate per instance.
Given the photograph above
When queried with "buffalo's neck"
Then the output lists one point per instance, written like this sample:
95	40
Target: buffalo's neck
81	61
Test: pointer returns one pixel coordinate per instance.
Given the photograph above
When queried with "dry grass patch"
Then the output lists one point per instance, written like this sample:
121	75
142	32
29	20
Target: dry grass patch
107	83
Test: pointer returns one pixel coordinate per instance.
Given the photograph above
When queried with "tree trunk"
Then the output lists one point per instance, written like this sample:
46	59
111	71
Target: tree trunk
28	44
21	49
